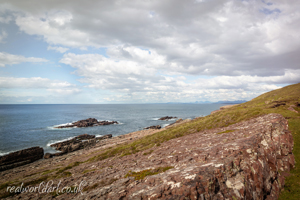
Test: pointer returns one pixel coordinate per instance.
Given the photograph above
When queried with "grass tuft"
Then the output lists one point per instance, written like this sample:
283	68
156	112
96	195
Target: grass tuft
148	172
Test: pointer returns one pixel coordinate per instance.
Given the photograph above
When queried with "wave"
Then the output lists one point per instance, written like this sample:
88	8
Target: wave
7	152
57	141
164	125
55	126
98	135
155	118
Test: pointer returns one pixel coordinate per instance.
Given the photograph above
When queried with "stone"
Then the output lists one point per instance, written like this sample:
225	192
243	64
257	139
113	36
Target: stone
21	157
47	155
153	127
247	163
77	143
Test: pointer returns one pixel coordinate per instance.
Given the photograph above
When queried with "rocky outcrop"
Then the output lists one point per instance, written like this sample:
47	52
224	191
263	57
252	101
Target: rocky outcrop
21	157
79	142
88	122
247	160
277	104
166	118
154	127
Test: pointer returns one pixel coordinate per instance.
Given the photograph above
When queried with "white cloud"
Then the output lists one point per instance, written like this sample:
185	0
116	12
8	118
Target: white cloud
58	49
206	38
5	20
3	35
34	82
243	48
10	59
137	80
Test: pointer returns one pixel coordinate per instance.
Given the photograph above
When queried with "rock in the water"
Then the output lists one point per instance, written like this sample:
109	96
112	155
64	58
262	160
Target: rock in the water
88	122
21	157
153	127
166	118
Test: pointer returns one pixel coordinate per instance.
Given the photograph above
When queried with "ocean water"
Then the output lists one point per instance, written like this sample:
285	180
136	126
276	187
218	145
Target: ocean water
26	125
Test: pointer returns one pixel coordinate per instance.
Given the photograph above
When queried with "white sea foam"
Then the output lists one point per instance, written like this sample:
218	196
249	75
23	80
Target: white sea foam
164	125
155	118
5	153
56	141
98	135
55	126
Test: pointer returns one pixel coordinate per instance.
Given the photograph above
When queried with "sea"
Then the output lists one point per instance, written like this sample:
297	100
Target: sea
27	125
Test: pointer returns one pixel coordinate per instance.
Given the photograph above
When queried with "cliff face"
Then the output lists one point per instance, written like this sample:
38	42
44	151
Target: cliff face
246	160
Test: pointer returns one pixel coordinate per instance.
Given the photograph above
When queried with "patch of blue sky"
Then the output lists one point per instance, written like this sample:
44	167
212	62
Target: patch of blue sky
269	11
267	3
21	44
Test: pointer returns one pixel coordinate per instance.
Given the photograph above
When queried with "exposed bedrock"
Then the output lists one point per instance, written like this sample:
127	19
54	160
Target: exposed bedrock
21	157
77	143
247	160
154	127
88	122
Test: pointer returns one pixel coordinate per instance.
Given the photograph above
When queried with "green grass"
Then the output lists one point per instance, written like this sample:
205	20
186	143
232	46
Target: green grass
102	183
88	170
70	166
148	172
228	131
261	105
292	183
49	171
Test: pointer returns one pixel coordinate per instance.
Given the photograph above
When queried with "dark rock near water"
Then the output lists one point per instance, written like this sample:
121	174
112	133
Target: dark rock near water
47	155
21	157
153	127
88	122
77	143
166	118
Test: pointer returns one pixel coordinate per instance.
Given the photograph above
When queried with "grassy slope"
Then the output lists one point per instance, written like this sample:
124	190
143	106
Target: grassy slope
258	106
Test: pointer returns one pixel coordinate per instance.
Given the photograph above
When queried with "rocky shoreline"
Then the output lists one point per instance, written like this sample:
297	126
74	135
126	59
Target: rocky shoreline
241	160
84	141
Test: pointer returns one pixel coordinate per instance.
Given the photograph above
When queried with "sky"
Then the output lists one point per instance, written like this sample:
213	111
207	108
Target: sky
146	51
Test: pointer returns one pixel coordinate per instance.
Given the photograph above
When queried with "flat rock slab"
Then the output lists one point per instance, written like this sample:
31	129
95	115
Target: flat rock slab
21	157
241	161
246	160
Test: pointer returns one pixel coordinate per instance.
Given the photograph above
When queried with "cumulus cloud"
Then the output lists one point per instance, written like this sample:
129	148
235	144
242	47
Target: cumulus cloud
242	48
3	35
131	72
10	59
58	49
38	83
196	37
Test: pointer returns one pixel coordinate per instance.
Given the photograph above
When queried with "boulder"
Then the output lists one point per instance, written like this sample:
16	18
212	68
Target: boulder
47	155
